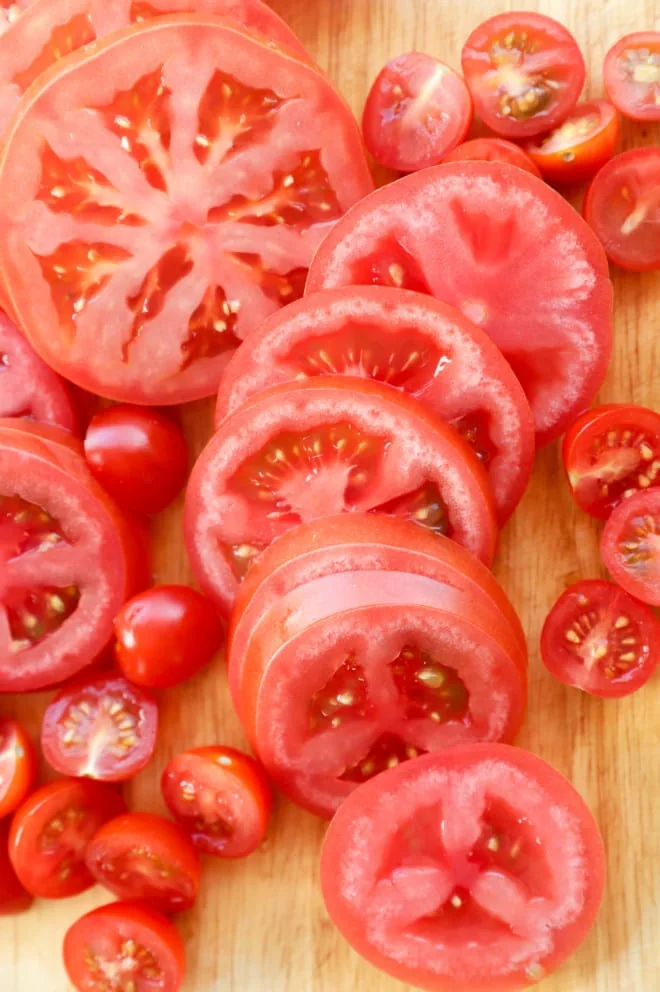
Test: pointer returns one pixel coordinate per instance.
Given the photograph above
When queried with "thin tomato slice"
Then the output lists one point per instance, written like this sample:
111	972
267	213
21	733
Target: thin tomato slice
630	545
632	75
493	150
580	146
18	765
14	898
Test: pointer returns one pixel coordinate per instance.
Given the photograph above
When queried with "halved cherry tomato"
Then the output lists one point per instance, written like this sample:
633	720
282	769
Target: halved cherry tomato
146	857
13	897
610	453
221	797
50	833
475	867
598	638
580	146
632	75
102	728
166	635
143	948
18	765
525	72
623	207
630	545
417	110
493	150
138	455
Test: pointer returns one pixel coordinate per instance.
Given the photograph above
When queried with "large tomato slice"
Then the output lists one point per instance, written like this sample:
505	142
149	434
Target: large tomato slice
11	11
407	340
161	194
68	558
505	249
313	448
477	867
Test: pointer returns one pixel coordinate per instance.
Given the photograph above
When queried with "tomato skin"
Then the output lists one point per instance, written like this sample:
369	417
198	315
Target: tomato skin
575	150
493	150
632	561
166	635
18	766
14	898
637	100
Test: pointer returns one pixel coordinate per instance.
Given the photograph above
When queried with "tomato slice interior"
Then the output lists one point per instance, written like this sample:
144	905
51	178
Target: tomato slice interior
28	388
632	75
630	545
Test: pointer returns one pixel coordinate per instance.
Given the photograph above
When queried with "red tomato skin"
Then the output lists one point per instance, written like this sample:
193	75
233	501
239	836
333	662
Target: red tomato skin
617	88
14	898
18	766
646	588
166	635
493	150
589	152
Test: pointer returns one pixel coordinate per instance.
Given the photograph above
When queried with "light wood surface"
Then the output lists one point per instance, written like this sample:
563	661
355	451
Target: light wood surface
260	925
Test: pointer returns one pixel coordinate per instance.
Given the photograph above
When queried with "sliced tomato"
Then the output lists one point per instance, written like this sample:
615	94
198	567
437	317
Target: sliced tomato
460	232
11	11
221	797
623	207
129	940
632	75
102	728
609	454
169	187
18	765
13	897
493	150
146	857
525	72
630	545
475	867
407	340
50	833
69	559
575	150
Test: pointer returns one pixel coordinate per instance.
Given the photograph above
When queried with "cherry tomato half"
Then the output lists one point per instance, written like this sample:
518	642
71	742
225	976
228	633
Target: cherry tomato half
632	75
221	796
493	150
18	766
13	897
630	545
577	148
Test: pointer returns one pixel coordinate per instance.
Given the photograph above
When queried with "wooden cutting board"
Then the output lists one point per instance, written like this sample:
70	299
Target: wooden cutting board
260	925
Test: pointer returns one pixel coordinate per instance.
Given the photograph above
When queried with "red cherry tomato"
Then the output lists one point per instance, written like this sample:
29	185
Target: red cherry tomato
493	150
166	635
630	545
417	110
632	75
146	857
102	728
577	148
128	940
221	797
138	455
18	766
13	897
598	638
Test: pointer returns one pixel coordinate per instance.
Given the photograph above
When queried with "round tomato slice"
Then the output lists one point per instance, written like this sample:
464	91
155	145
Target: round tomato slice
630	545
169	187
104	728
407	340
580	146
475	867
632	75
610	453
69	559
13	897
506	250
18	765
623	207
50	833
312	448
493	150
146	857
221	797
417	110
525	72
129	940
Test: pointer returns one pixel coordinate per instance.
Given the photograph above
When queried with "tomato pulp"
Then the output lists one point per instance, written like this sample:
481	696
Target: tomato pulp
632	75
630	545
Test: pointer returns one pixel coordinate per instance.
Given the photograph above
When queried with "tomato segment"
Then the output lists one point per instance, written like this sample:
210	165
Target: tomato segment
18	765
577	149
630	545
493	150
632	75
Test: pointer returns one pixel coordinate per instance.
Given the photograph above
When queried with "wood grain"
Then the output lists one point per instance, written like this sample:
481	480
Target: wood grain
260	925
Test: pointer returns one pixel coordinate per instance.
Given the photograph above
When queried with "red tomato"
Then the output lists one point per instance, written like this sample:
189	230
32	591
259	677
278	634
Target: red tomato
610	453
623	207
577	148
409	341
57	604
146	857
103	728
475	867
525	72
313	448
221	797
50	833
13	897
459	232
417	110
168	263
18	765
493	150
129	940
632	75
630	548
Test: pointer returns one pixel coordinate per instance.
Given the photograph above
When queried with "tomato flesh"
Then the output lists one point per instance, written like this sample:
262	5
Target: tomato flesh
18	765
630	545
493	150
580	146
632	75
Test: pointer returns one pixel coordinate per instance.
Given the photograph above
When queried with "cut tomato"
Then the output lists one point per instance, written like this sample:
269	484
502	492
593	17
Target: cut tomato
409	341
493	150
69	559
623	207
50	833
507	251
13	897
11	11
475	867
18	765
163	192
146	857
580	146
632	75
630	545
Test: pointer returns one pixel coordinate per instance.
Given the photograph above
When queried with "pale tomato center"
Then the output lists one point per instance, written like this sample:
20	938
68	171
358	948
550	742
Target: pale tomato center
130	964
522	93
596	640
639	545
99	728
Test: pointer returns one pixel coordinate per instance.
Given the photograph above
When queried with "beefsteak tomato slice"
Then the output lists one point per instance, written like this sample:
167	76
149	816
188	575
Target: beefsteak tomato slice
161	193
